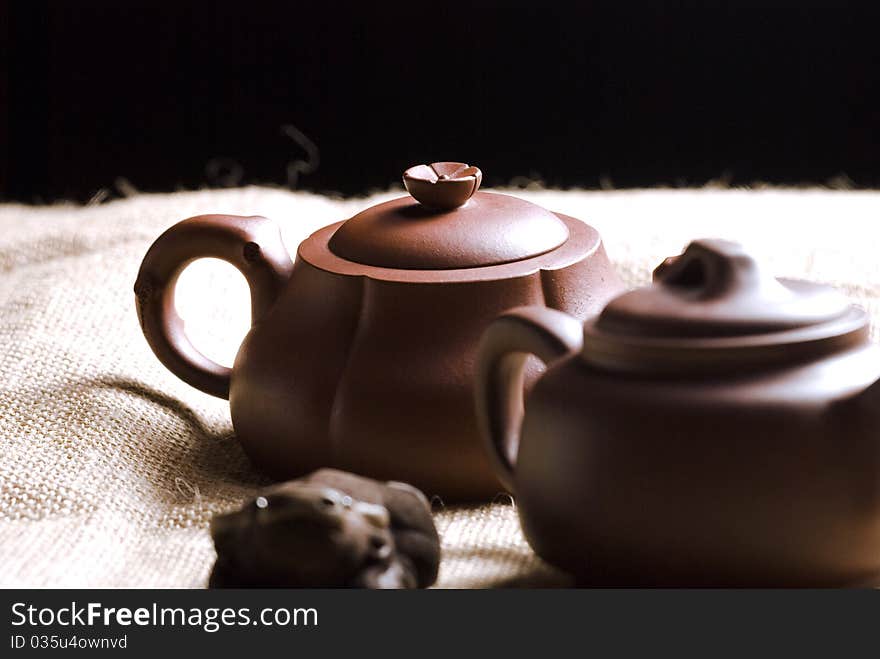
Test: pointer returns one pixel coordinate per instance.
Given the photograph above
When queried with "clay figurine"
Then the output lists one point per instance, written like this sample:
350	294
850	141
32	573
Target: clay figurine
330	529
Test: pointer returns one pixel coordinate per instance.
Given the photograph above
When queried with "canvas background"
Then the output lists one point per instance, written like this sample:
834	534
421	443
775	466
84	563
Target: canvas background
110	468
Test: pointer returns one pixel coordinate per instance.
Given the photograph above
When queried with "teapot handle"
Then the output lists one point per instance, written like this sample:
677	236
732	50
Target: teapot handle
251	244
509	340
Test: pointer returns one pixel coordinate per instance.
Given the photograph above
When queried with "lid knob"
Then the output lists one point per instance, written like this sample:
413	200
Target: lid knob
442	185
713	268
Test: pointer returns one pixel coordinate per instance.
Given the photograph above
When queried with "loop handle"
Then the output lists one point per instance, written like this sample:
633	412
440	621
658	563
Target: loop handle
510	339
252	244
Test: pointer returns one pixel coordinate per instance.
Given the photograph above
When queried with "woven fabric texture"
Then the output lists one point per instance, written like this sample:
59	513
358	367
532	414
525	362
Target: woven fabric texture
110	468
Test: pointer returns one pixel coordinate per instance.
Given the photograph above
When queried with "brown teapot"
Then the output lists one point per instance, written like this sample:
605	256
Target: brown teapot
718	427
361	353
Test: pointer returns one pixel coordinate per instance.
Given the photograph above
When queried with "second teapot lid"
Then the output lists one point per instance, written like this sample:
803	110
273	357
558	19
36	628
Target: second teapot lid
446	224
717	289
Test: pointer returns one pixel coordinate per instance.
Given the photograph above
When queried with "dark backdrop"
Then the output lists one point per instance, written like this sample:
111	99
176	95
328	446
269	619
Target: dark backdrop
343	96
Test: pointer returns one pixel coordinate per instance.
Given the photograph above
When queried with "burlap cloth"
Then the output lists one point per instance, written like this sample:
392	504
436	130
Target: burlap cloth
110	468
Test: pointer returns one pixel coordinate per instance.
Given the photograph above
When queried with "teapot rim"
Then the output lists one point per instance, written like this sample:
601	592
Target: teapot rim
724	354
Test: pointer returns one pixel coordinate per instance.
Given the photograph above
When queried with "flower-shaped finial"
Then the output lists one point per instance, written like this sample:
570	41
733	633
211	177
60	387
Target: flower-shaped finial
442	185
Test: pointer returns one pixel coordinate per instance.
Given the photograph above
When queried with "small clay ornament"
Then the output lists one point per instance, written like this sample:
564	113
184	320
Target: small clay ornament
328	529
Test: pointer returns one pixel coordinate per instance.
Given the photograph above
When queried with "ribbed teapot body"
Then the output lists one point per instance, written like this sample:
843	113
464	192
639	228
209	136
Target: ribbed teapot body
371	369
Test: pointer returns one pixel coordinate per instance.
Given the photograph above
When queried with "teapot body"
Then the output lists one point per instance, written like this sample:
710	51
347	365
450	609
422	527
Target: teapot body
718	427
765	478
362	350
371	370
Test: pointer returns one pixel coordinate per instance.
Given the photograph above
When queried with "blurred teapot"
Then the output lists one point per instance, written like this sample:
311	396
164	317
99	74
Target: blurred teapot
718	427
361	353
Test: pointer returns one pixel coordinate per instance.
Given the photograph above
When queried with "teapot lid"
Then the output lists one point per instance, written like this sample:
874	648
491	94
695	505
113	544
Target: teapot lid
446	224
715	299
716	288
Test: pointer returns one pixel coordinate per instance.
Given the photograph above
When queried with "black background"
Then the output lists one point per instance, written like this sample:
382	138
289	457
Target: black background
183	94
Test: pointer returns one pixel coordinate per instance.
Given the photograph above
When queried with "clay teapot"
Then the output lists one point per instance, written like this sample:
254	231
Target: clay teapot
718	427
361	353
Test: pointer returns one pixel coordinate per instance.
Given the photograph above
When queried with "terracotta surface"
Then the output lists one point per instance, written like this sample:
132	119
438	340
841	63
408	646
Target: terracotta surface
362	353
719	427
490	229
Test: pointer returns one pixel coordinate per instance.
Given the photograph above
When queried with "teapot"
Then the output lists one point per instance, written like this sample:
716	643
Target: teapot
719	427
361	353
